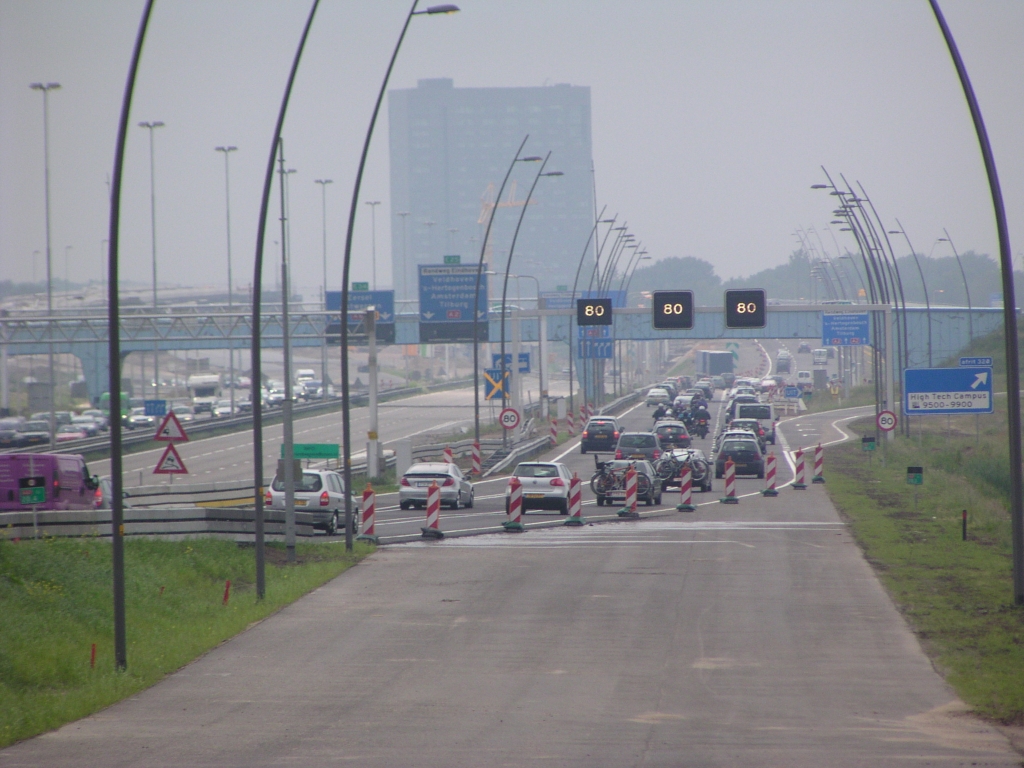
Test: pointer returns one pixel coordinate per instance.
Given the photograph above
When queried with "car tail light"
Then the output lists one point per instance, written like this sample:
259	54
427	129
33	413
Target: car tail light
656	453
584	433
268	499
618	453
405	481
615	434
325	499
449	481
97	499
558	482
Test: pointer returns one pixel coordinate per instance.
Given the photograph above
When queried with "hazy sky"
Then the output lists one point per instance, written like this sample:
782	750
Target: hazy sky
710	120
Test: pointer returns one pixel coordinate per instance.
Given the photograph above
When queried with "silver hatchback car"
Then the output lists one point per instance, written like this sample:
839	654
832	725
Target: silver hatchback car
320	492
456	490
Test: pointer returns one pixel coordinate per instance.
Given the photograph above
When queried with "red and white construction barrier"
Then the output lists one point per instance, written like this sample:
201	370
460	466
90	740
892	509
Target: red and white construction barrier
631	482
798	481
448	457
433	527
730	483
769	476
570	423
590	410
583	414
476	458
686	491
369	528
575	501
819	464
515	506
554	430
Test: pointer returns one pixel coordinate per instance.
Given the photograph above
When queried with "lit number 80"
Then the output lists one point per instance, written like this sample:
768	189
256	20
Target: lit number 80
747	308
672	309
594	310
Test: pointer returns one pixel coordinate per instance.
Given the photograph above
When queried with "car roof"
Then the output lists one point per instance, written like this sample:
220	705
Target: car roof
429	466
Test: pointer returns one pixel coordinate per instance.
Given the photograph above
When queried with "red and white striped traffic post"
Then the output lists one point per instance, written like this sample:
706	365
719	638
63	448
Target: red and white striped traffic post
554	430
730	483
798	481
448	457
769	476
476	459
369	531
575	501
514	524
570	423
686	491
590	410
631	482
433	528
819	464
583	414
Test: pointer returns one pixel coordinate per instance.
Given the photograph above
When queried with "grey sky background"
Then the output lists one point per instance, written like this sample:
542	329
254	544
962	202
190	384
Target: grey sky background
710	121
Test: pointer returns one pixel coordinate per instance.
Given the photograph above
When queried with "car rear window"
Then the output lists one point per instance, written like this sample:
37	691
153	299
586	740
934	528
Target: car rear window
636	441
601	425
34	426
739	446
756	411
308	483
672	431
536	470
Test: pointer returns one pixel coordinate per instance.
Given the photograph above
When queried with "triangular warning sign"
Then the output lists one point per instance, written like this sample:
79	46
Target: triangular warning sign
170	463
170	430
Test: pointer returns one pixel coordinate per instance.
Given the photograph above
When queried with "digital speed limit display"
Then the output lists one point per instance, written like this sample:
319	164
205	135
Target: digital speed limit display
745	309
672	310
593	311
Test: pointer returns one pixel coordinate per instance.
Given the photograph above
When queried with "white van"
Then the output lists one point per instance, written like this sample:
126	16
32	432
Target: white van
765	415
805	381
820	357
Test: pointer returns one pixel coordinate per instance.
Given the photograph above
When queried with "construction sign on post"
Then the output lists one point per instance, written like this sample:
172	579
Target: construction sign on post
170	430
170	463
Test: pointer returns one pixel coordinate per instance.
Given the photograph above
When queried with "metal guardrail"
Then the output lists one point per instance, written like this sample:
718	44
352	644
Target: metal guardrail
521	451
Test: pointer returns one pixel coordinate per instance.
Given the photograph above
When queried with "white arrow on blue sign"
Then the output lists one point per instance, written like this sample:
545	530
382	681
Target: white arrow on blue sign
944	391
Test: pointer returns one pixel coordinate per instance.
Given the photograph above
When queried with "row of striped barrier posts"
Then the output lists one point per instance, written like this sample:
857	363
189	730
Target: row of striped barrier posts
769	476
514	524
433	527
686	491
575	501
730	483
368	530
629	511
476	458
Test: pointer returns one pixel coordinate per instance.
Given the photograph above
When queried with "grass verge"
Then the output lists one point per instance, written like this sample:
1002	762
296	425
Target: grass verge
56	598
957	595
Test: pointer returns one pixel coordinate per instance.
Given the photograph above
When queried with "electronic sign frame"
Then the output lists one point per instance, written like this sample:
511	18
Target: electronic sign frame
747	308
672	310
593	311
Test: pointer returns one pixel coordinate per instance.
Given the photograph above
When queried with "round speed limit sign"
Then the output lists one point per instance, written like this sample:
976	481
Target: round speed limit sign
886	421
509	418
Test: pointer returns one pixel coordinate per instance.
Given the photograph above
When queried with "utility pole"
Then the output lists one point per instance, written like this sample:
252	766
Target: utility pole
152	225
231	322
286	406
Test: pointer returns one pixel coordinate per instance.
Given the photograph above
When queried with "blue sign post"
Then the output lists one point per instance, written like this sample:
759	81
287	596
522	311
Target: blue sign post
846	329
447	303
524	361
944	391
358	301
154	407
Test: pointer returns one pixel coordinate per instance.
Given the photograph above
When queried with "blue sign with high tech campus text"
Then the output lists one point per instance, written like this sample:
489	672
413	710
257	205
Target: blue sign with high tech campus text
945	391
844	329
447	303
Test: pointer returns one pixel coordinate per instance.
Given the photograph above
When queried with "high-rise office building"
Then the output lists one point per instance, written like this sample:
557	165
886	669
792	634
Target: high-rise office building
451	147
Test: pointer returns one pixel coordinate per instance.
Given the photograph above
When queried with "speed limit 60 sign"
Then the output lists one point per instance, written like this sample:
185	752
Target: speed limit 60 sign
509	418
886	421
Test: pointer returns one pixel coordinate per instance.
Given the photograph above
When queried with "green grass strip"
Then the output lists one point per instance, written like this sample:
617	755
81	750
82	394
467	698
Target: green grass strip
56	601
957	595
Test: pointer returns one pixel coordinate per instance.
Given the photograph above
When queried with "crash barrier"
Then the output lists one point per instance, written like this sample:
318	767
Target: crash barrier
433	528
575	501
686	491
230	523
369	528
631	482
819	464
798	481
448	457
476	458
769	476
514	524
519	452
730	483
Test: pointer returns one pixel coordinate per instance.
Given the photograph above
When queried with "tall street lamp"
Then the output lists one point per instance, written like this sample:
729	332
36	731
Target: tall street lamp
924	285
405	256
152	227
323	218
373	238
967	291
231	285
45	89
347	263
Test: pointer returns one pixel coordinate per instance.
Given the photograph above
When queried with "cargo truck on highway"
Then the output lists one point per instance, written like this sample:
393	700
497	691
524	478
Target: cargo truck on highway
204	388
712	363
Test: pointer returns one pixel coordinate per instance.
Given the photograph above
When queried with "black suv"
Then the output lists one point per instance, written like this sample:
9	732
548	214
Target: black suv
600	434
638	445
672	434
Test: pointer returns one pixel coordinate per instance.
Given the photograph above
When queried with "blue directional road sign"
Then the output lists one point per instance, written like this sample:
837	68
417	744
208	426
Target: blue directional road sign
595	342
793	393
524	361
492	388
945	391
447	303
154	407
358	301
846	329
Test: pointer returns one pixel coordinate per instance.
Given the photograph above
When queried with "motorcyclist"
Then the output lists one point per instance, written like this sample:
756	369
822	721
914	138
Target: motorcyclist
698	402
660	412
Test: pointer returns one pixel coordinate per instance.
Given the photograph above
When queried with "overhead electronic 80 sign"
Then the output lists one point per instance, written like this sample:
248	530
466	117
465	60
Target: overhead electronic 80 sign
447	303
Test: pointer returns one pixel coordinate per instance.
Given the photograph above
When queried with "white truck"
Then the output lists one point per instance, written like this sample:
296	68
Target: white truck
205	390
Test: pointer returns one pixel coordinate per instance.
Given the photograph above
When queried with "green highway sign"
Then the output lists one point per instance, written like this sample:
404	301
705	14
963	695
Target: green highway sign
867	443
315	450
32	490
915	475
360	286
453	259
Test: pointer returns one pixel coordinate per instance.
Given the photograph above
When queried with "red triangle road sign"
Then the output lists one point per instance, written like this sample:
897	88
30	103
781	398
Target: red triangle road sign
170	463
170	430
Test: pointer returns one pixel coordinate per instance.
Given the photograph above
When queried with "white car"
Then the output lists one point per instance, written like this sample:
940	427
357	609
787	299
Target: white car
320	492
456	490
223	409
183	413
545	486
656	396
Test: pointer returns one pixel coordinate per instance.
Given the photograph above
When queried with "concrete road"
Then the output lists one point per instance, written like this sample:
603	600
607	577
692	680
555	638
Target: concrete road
748	635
